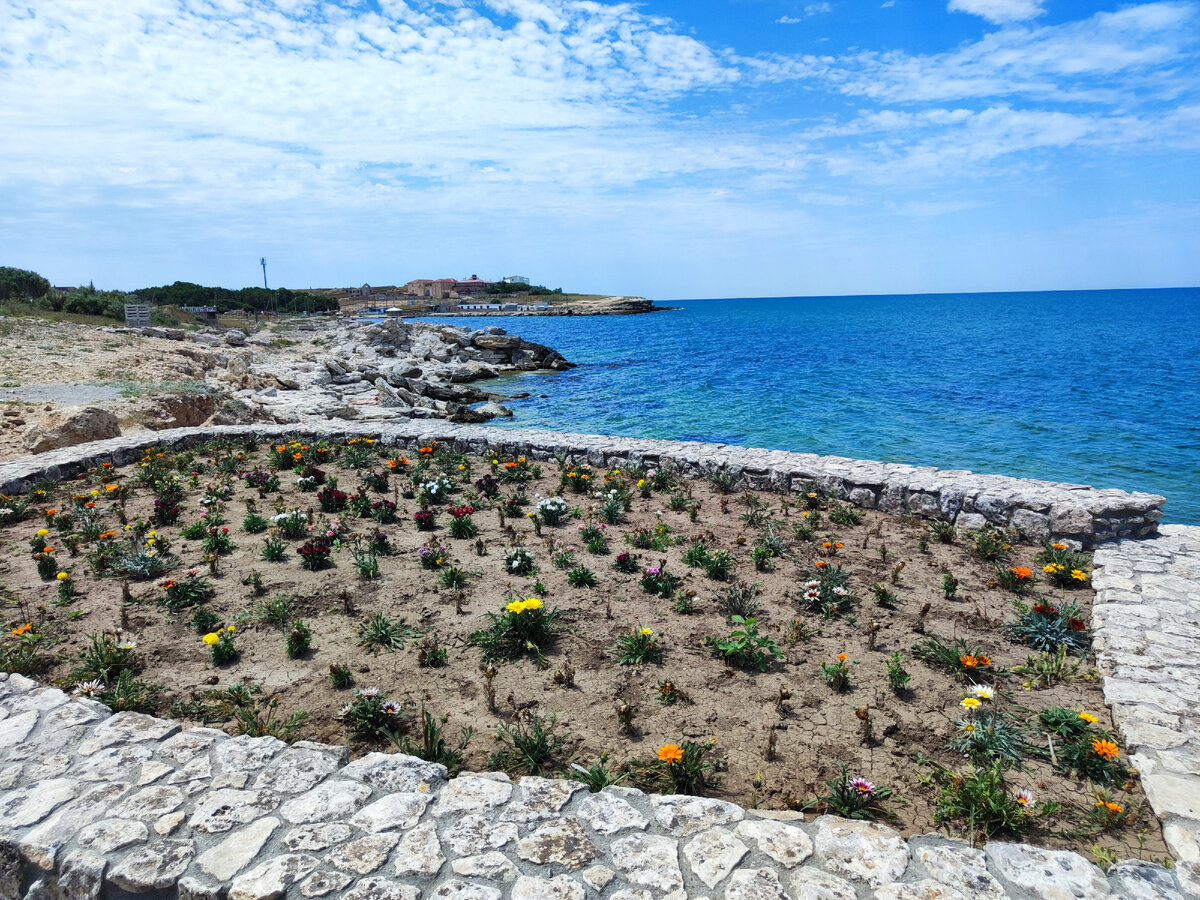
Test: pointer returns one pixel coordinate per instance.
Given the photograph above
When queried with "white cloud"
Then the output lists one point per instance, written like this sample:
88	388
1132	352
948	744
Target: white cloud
789	20
999	11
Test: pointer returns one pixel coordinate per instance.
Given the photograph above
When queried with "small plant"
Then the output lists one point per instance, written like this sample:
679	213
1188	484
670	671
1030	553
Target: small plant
383	512
425	519
949	586
1064	567
827	592
253	523
989	544
525	626
1017	579
563	559
798	632
945	532
897	677
657	580
519	561
669	693
298	640
837	673
377	630
315	554
637	647
373	718
332	500
453	577
581	576
598	776
680	770
431	653
194	532
104	658
884	597
433	556
273	550
433	747
718	565
552	510
1048	669
958	657
684	603
854	798
745	647
462	526
276	611
626	563
722	481
740	599
187	591
341	676
532	745
980	802
696	556
292	525
126	693
1046	628
841	514
366	563
204	620
221	646
761	556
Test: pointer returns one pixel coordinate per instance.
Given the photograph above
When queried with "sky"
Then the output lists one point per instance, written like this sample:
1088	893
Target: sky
665	148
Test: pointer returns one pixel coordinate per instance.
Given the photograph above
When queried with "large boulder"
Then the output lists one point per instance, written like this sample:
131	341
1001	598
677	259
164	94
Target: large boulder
89	424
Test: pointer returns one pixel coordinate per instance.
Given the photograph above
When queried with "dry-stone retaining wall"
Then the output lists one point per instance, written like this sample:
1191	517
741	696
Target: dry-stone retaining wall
95	805
1069	512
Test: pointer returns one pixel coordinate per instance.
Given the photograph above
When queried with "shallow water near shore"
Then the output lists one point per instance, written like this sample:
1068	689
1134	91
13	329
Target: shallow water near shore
1091	387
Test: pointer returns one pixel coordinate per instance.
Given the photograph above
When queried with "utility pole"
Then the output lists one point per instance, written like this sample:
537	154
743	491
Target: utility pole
262	261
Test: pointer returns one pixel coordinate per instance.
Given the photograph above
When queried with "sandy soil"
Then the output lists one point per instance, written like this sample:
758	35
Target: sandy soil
734	711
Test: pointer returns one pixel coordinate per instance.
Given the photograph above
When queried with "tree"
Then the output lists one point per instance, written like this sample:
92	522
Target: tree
21	284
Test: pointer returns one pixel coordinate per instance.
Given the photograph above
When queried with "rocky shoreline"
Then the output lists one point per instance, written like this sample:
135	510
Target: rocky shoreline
295	372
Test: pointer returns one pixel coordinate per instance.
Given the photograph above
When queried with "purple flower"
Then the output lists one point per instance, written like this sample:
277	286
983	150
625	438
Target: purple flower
653	570
862	787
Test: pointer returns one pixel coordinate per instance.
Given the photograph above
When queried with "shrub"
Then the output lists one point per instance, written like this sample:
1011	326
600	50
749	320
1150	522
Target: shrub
1046	628
532	745
519	561
718	565
854	798
373	718
273	550
188	591
581	576
841	514
980	802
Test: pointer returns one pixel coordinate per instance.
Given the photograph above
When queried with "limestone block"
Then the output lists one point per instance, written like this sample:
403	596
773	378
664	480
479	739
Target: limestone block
862	850
152	868
471	793
811	883
563	843
490	866
473	832
272	878
539	798
562	887
713	854
419	852
757	884
606	813
400	811
322	882
233	854
1134	880
364	855
224	808
1048	874
317	837
957	865
786	844
297	769
455	889
109	835
649	861
925	889
685	816
395	772
376	888
332	800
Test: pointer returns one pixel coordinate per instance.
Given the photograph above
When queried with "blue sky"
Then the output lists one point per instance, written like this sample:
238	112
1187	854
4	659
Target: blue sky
669	148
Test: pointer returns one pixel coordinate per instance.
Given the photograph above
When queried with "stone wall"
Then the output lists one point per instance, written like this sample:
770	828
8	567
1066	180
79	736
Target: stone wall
1045	510
96	806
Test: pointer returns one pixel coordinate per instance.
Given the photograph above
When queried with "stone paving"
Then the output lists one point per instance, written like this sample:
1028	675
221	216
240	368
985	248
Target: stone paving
1147	641
96	805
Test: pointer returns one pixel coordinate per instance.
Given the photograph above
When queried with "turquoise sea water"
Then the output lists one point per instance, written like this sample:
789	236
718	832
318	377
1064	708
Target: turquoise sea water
1092	387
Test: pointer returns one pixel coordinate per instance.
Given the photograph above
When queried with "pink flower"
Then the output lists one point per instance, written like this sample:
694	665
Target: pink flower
862	787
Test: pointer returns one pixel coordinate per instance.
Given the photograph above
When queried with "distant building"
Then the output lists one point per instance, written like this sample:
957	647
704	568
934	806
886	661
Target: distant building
515	279
441	288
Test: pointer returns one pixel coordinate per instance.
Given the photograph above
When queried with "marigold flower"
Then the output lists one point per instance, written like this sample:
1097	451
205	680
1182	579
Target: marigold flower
63	576
841	657
1088	717
969	703
670	753
211	638
42	532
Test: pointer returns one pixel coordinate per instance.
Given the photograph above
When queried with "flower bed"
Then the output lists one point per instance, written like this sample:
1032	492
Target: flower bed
607	625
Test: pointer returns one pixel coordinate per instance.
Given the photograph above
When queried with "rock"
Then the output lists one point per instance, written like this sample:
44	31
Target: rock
686	816
1135	880
235	338
396	773
605	813
649	860
786	844
364	855
925	889
454	889
179	411
490	866
89	424
713	854
109	835
1050	874
810	883
323	882
419	852
82	876
272	878
127	728
563	843
400	811
224	808
296	770
471	833
233	854
317	837
471	793
30	805
957	865
331	800
562	887
153	868
759	884
376	888
493	410
539	798
863	850
149	803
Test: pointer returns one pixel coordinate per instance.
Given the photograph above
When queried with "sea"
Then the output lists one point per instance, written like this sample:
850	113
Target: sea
1087	387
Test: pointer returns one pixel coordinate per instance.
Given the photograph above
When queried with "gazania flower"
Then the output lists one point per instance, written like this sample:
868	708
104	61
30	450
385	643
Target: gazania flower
983	692
646	631
1058	546
63	576
969	703
42	532
984	660
391	707
841	657
1105	748
28	626
88	688
1114	808
862	787
1088	717
968	661
1021	573
670	753
1078	575
1024	798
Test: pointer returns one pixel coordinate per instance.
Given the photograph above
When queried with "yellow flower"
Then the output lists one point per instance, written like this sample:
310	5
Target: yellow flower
969	703
1078	575
63	576
42	532
229	628
533	603
641	482
647	631
211	638
670	753
1048	568
517	607
1088	717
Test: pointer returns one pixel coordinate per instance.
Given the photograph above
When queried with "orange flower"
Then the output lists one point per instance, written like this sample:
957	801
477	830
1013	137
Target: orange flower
24	628
1059	546
1110	806
392	464
51	512
47	549
297	456
984	660
669	753
841	657
969	662
820	563
1105	748
1022	573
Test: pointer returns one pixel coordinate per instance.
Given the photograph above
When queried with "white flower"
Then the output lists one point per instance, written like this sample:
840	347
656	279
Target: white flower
812	584
983	692
88	688
368	692
344	711
126	645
